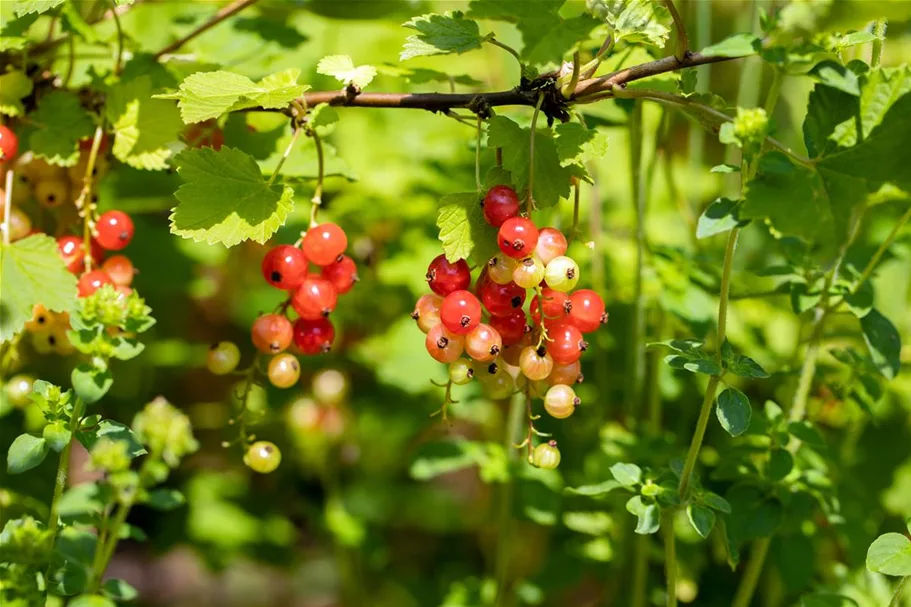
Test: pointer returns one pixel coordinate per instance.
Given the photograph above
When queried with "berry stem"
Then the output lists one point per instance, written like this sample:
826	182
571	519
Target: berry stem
118	61
447	400
281	161
636	378
244	399
575	230
509	50
317	199
477	156
531	155
218	17
63	467
83	203
7	205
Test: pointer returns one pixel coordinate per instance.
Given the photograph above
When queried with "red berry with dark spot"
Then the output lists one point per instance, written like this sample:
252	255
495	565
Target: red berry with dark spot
271	333
285	267
517	237
511	327
501	300
92	281
460	312
70	249
587	312
324	243
556	305
315	298
444	277
500	203
342	273
566	343
115	230
313	336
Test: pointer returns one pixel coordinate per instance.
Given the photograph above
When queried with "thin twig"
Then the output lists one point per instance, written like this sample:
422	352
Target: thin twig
508	49
221	15
119	60
683	43
477	155
317	201
281	161
530	201
84	203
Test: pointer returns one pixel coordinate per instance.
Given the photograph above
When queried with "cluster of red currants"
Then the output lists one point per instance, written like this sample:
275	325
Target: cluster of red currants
507	353
312	294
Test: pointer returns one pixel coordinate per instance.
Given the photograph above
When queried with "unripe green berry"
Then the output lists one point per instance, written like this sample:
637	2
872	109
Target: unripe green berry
562	274
460	372
263	457
222	358
546	455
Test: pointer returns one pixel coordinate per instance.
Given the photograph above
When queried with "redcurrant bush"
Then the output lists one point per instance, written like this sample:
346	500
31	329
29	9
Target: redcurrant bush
427	311
342	273
314	298
587	310
546	455
92	281
284	370
483	343
561	401
566	343
119	268
551	244
9	144
443	345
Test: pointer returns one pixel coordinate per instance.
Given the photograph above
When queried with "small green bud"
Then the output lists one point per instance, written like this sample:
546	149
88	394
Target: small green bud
165	431
110	455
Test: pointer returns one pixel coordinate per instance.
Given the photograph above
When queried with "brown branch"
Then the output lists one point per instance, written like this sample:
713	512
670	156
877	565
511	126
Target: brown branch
225	12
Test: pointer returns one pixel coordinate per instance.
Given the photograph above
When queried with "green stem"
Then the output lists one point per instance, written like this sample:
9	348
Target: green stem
871	265
508	49
751	576
774	92
7	204
640	571
504	516
63	468
879	30
531	155
288	148
317	201
84	202
635	380
682	47
242	413
108	550
118	62
670	558
477	156
896	598
568	89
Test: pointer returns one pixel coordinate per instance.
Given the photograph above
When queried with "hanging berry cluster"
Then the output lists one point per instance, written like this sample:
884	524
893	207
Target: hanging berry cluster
490	324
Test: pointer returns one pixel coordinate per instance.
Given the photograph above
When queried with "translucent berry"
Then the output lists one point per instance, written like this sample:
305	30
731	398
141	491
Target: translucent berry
330	386
483	343
115	230
20	225
222	358
501	300
566	374
9	144
284	370
566	343
561	401
70	249
444	277
263	457
528	273
460	372
427	311
587	312
536	363
272	333
551	244
324	243
313	336
18	389
314	298
500	268
285	267
517	237
444	346
546	455
561	274
512	353
460	312
51	193
510	327
92	281
556	305
495	380
342	273
500	203
120	269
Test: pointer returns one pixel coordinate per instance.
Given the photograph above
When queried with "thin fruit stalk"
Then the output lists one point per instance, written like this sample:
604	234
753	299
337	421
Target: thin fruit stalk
63	467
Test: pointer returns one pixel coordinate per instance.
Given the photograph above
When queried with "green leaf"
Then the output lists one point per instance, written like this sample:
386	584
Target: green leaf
12	32
693	364
738	45
591	523
342	68
224	198
443	457
145	129
577	145
112	430
634	20
716	502
60	122
206	95
701	518
551	179
881	89
32	273
781	462
718	217
74	22
627	475
826	600
826	109
57	435
464	233
602	488
14	85
548	40
442	34
648	515
860	303
92	600
25	453
25	7
725	168
740	365
837	76
85	498
323	119
883	342
807	432
753	513
890	554
119	590
734	411
90	383
165	499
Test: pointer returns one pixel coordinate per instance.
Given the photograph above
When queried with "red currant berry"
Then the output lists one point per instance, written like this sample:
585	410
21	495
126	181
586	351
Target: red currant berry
342	274
566	374
115	230
518	237
551	244
556	305
510	327
567	344
9	144
271	333
442	345
501	300
512	354
460	312
285	267
444	277
500	203
120	269
92	281
315	298
587	311
483	344
70	249
313	336
427	311
324	243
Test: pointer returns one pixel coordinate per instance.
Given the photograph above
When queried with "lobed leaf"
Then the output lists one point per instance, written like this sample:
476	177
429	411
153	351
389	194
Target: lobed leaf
442	34
342	68
60	122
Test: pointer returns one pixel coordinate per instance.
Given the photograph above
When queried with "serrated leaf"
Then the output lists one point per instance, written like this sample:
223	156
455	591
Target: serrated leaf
549	40
551	179
884	343
90	383
890	554
442	34
25	453
725	168
701	518
718	217
207	95
881	89
145	129
837	76
464	233
60	122
855	38
634	20
224	198
577	145
32	273
26	7
741	365
627	475
14	85
826	109
738	45
692	364
594	490
342	68
734	411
